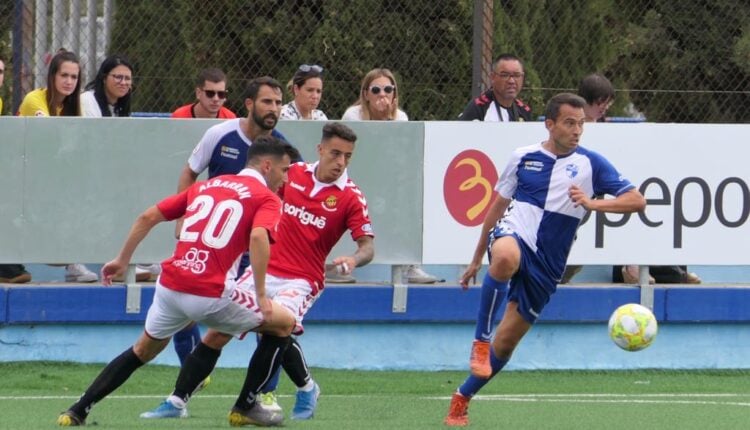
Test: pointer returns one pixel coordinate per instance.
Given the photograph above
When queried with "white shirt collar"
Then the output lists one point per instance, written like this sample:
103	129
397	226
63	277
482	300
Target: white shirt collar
340	182
248	171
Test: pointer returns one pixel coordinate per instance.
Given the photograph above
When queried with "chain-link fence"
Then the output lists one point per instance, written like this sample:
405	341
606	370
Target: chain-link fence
686	61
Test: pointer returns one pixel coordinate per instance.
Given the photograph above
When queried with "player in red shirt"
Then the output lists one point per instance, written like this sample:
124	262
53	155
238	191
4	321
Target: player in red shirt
320	204
223	217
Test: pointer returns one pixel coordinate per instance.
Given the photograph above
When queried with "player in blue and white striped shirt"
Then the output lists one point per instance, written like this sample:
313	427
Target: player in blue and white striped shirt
551	187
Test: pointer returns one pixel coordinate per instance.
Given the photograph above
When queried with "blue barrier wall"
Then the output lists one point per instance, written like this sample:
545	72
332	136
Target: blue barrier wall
354	327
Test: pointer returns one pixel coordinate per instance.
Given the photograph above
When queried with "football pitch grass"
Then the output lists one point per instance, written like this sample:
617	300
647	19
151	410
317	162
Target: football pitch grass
32	394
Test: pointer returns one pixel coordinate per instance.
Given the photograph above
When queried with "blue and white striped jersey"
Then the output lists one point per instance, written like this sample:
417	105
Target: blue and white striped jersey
223	149
542	214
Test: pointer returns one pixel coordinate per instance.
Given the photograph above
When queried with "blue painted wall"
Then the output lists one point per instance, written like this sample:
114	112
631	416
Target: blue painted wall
353	327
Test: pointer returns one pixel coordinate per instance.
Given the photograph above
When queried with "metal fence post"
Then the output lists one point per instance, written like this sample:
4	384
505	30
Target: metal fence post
481	47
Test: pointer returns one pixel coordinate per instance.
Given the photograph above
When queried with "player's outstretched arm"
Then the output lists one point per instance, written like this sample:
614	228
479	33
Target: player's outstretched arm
630	201
186	179
142	225
260	253
497	209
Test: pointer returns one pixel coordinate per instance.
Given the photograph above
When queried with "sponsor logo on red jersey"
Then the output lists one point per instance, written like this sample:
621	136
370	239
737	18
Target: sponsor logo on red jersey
305	217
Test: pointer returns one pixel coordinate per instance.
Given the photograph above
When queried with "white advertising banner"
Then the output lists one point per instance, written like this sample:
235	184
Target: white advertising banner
694	176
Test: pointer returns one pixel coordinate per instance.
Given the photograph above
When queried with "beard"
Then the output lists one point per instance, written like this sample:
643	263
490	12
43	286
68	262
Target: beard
263	123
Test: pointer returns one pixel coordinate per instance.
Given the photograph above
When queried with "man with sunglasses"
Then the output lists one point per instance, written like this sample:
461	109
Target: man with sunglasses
501	102
211	93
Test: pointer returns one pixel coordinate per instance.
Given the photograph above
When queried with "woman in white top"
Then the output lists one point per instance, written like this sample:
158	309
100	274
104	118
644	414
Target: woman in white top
306	86
378	99
109	93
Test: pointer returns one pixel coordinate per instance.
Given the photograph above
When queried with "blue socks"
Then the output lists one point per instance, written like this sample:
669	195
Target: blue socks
185	340
472	384
492	297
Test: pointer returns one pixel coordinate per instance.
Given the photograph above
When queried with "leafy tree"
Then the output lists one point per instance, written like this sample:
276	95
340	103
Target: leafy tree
687	64
675	61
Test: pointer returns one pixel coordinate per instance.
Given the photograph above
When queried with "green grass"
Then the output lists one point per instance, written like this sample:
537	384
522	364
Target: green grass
32	395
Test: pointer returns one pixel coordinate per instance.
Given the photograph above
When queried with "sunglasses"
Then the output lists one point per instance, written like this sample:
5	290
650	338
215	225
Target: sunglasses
211	93
387	89
305	68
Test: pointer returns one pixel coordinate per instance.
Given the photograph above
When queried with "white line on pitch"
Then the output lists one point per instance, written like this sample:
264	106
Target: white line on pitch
545	397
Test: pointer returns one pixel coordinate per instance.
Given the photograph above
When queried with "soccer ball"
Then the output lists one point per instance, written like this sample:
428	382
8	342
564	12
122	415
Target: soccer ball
632	327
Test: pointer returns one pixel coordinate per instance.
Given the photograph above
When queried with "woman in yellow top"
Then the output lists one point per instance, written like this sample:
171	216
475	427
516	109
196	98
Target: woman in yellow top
61	97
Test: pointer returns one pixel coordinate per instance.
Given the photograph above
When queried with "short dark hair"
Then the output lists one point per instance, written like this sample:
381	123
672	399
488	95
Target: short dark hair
212	74
507	57
596	88
254	86
553	105
337	129
293	152
268	145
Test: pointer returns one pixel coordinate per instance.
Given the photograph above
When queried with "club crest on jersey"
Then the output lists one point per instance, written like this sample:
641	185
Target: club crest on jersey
571	170
330	203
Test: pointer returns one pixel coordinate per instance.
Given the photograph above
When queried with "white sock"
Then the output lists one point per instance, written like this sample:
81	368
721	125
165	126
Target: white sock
307	387
176	402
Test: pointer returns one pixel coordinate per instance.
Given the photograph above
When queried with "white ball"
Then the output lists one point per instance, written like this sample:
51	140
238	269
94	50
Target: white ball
632	327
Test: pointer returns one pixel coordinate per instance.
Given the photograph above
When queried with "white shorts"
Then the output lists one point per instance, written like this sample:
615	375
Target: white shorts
171	311
293	294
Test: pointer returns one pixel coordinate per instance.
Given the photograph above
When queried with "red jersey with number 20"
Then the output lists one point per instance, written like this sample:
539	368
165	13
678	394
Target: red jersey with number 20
219	215
315	217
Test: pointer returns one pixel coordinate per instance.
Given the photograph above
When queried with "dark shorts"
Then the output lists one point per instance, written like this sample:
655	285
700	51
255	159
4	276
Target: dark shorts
531	286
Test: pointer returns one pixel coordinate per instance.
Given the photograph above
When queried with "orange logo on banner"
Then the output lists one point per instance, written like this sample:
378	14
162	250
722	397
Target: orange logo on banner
468	187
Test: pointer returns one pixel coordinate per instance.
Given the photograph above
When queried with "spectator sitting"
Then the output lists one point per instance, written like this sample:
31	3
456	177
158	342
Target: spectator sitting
211	92
306	86
501	102
598	93
61	97
378	99
109	93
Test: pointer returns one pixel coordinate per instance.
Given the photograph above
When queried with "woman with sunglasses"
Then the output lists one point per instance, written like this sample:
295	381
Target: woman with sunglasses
378	99
306	86
109	93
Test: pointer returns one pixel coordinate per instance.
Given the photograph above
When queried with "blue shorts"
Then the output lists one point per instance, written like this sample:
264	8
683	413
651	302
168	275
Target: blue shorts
532	285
